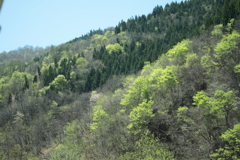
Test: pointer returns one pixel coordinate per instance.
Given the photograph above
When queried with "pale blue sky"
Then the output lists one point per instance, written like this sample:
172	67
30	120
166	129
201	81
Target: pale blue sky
52	22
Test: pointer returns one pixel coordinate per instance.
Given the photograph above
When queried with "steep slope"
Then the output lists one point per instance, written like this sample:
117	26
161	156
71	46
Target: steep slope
47	110
187	99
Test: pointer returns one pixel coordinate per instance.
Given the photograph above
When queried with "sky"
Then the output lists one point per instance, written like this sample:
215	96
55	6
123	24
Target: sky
42	23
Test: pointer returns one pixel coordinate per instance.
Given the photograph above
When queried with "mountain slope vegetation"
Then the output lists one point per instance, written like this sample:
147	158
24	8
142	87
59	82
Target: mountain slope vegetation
161	86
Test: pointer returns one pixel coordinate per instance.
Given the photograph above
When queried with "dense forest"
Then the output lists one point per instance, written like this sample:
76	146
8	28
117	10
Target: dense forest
158	86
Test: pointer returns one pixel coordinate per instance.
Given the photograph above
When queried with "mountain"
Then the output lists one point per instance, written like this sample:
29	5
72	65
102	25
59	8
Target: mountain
158	86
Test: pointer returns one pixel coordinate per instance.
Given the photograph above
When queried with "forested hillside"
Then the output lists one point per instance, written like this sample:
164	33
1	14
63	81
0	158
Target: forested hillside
158	86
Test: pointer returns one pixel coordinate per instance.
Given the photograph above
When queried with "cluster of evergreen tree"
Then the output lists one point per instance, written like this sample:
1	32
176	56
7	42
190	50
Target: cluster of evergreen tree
175	22
225	10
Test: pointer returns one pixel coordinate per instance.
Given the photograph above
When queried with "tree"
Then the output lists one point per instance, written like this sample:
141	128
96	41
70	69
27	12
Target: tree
137	93
39	71
98	116
178	52
114	48
226	46
4	90
19	82
59	83
217	108
65	152
16	65
81	63
226	12
231	148
217	30
147	148
140	116
26	86
117	29
123	26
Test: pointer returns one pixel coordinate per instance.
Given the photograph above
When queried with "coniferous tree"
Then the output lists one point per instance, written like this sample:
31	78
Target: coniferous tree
26	85
117	29
39	71
35	79
9	99
226	12
124	26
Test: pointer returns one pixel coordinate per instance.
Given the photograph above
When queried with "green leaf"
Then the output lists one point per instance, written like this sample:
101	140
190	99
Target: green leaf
227	44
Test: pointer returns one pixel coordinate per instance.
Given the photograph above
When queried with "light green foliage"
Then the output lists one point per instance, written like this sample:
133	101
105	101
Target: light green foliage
227	44
114	48
237	68
123	37
201	99
230	24
182	114
3	88
216	106
156	75
181	110
207	62
44	90
59	83
54	109
139	97
70	149
140	115
17	82
148	148
47	61
121	33
222	100
138	44
54	104
164	77
72	75
137	92
94	92
64	153
98	115
108	130
162	62
128	80
178	52
98	39
81	63
108	34
225	98
217	31
191	59
147	67
64	55
231	149
71	131
169	76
